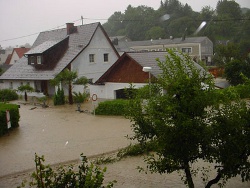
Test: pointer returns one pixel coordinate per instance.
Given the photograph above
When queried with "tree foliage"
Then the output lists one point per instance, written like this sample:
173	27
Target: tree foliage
185	116
235	69
25	88
66	77
227	22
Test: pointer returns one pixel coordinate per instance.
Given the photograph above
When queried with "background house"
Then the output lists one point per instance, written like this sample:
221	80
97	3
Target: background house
199	48
16	54
86	49
4	53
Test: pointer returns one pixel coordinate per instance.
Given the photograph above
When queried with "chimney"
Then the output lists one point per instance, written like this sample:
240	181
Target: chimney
70	28
115	41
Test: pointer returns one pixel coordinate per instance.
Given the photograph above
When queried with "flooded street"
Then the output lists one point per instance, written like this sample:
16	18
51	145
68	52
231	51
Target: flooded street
61	134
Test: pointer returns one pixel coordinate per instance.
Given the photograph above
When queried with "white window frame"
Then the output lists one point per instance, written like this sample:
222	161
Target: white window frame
39	59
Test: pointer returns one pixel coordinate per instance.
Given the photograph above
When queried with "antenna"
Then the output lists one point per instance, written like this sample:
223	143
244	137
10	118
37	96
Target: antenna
82	19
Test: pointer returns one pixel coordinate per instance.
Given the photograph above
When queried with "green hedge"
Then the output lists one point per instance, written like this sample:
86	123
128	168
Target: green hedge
14	117
8	95
114	107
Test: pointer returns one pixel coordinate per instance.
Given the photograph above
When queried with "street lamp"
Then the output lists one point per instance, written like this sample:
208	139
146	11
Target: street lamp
148	69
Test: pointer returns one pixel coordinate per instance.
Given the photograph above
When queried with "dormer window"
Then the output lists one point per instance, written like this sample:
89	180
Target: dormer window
35	60
39	59
32	60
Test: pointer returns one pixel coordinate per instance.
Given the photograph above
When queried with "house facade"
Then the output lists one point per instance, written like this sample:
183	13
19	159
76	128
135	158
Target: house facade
198	48
86	49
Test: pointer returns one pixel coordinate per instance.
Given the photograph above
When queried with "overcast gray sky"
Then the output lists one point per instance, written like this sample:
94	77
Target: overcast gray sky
20	18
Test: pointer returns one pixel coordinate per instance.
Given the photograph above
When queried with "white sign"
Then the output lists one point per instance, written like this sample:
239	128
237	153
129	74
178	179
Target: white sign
8	119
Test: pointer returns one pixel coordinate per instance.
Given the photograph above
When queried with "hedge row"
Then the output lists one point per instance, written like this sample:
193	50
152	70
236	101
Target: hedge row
114	107
8	95
14	117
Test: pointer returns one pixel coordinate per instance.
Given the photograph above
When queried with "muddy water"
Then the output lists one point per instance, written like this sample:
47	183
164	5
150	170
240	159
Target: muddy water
60	134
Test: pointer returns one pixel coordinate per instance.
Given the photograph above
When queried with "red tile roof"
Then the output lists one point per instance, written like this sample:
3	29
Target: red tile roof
8	59
21	51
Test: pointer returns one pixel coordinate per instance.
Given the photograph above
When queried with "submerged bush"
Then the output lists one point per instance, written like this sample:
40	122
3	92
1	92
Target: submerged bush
88	175
8	95
114	107
14	117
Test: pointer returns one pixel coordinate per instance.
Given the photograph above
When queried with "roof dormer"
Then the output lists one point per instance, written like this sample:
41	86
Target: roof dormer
47	54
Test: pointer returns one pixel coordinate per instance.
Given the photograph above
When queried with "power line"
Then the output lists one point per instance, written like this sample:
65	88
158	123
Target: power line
123	20
35	33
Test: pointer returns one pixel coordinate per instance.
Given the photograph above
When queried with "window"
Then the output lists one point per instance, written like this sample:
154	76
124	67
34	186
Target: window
32	60
11	85
106	57
39	59
21	83
91	58
186	50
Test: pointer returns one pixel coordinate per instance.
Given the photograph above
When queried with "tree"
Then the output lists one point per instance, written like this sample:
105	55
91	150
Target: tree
225	53
115	24
25	88
67	77
234	70
183	117
155	32
138	21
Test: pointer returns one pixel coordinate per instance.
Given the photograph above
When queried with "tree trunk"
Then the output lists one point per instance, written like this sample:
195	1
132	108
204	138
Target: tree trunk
25	96
214	181
188	175
70	94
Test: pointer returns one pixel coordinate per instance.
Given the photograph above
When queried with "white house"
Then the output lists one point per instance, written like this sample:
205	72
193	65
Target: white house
86	49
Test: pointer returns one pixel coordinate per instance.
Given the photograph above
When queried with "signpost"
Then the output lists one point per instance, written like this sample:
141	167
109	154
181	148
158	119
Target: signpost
94	101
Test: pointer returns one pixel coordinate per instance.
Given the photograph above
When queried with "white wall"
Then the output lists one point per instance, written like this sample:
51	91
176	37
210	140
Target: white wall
14	58
107	91
16	84
99	45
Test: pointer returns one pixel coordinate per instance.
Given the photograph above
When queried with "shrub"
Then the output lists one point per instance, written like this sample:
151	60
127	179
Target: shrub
8	95
59	98
114	107
86	176
14	117
80	97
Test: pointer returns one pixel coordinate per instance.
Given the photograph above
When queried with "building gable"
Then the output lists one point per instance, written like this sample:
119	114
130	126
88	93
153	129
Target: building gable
125	70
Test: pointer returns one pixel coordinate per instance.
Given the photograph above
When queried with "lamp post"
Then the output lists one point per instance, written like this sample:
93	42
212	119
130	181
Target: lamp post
148	69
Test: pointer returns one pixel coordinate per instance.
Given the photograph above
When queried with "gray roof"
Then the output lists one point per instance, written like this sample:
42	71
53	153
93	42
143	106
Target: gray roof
126	45
144	59
77	42
148	59
42	47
